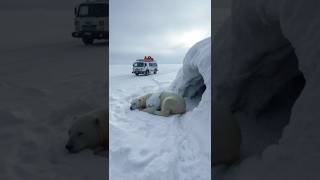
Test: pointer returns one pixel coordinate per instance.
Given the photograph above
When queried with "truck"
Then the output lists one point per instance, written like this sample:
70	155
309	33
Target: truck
91	21
145	66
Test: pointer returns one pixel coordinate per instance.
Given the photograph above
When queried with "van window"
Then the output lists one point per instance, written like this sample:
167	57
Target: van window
138	64
83	11
93	10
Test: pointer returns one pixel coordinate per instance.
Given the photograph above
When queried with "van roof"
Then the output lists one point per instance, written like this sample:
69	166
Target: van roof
148	61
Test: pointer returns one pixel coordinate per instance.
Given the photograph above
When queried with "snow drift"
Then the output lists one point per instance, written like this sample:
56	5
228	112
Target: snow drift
144	146
266	68
194	83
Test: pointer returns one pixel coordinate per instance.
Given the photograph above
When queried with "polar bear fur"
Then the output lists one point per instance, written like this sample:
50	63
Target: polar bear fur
226	136
89	131
170	103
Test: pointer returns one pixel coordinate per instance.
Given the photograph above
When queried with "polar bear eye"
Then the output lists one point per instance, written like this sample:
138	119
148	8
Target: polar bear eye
80	133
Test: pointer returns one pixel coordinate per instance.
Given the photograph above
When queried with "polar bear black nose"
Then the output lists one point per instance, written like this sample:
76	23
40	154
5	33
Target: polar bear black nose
69	147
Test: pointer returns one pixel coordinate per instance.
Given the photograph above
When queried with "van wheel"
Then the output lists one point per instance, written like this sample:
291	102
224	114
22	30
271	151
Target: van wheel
155	71
147	72
137	74
87	41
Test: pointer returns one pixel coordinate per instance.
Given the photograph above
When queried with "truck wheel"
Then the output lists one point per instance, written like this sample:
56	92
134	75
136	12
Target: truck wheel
87	41
147	72
137	74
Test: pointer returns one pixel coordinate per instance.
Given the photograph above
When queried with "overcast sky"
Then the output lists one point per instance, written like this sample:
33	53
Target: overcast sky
165	29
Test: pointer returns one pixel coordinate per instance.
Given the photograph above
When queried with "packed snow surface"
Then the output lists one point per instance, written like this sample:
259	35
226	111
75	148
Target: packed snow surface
144	146
46	78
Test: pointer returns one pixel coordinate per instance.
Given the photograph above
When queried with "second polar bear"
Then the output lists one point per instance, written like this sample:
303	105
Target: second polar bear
162	104
89	131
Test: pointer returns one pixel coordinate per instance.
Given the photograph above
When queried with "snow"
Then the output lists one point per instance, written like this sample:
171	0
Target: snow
46	78
154	100
219	16
257	71
144	146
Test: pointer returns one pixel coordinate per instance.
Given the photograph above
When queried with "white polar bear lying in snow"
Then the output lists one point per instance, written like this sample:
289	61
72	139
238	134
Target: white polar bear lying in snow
89	131
162	104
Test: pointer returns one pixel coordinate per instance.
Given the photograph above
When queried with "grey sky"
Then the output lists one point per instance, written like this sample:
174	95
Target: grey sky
164	29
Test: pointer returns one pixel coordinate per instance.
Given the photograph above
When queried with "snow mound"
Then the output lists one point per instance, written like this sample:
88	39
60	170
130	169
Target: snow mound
194	82
154	100
266	68
144	146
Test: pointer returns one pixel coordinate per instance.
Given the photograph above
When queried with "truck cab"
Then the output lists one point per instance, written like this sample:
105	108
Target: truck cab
145	66
91	21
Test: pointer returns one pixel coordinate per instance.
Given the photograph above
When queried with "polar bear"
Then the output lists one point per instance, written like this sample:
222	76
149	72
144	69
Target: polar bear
168	103
226	136
89	131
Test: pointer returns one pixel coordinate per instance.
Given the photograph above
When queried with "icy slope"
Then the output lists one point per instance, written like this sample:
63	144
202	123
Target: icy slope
144	146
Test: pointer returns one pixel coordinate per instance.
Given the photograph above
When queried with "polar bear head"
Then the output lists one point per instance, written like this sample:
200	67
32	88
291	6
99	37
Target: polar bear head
139	103
86	131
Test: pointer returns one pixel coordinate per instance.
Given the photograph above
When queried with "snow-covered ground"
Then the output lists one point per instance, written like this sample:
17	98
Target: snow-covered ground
144	146
46	77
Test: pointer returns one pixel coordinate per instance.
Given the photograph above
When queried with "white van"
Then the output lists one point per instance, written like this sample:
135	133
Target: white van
145	66
91	21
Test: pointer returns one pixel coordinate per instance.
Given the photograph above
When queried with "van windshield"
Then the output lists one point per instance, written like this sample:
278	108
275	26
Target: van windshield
93	10
138	64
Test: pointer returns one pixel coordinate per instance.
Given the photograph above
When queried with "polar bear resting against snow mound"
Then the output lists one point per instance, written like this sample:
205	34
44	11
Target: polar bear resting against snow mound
89	131
162	104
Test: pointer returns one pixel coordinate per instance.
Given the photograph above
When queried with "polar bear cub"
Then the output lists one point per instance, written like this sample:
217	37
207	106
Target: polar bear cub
162	104
89	131
226	136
